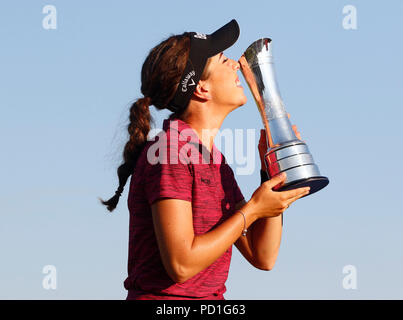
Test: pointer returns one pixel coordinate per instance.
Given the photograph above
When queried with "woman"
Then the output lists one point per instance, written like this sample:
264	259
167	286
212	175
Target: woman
186	209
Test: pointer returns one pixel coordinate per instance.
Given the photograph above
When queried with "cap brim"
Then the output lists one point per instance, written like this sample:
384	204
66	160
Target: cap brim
224	37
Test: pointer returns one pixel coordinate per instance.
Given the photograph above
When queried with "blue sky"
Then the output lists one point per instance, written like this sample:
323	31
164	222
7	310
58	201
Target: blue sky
64	99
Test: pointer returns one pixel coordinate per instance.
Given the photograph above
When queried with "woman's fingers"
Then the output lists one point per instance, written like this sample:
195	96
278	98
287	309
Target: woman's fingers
291	200
297	133
280	178
294	127
262	147
295	193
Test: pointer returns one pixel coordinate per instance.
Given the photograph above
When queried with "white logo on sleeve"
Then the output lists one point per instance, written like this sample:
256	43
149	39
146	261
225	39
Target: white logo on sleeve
200	36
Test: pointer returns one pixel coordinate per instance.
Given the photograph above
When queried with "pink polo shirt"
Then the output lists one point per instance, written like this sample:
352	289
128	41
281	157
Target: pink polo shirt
177	165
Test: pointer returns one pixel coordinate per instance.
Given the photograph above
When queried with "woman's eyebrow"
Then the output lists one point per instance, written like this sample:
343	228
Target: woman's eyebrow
219	58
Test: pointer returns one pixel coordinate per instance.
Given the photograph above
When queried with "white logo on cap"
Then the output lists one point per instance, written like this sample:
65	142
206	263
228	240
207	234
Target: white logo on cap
200	36
185	82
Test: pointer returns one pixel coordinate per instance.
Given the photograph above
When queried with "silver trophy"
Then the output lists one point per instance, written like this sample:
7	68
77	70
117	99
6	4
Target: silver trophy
285	152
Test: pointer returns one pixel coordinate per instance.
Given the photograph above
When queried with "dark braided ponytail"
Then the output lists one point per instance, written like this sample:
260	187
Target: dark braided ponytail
160	76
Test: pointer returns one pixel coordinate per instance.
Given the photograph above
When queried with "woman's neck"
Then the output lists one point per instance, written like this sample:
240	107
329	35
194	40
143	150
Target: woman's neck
205	125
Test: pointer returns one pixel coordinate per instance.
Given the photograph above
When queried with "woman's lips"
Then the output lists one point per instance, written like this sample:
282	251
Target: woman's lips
238	82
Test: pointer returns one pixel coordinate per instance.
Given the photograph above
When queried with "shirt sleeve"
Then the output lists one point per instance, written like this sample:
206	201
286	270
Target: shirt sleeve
237	191
169	180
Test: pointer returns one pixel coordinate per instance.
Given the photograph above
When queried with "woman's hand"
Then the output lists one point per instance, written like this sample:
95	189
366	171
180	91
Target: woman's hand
294	127
266	202
262	146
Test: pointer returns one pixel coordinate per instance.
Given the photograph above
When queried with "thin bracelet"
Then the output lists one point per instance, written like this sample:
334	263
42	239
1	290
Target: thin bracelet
244	231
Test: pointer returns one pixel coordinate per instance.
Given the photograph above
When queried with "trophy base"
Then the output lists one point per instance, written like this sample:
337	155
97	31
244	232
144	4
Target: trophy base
295	160
315	183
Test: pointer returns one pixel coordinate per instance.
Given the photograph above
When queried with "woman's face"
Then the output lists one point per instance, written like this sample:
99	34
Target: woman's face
223	82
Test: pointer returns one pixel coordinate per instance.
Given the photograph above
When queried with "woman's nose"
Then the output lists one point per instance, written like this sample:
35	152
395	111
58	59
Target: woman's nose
235	65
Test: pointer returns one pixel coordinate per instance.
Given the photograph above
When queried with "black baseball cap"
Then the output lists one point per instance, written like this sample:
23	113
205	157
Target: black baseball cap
202	47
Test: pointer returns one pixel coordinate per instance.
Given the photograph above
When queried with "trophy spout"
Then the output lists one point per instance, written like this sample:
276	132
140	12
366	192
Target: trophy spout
285	152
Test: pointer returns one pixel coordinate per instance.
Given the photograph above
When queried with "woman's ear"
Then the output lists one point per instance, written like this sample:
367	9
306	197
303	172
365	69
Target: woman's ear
202	91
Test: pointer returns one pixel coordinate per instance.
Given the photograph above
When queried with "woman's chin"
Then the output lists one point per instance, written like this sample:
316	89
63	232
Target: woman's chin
240	104
243	101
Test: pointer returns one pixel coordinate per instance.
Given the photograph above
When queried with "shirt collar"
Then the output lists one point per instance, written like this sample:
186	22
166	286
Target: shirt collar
179	125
